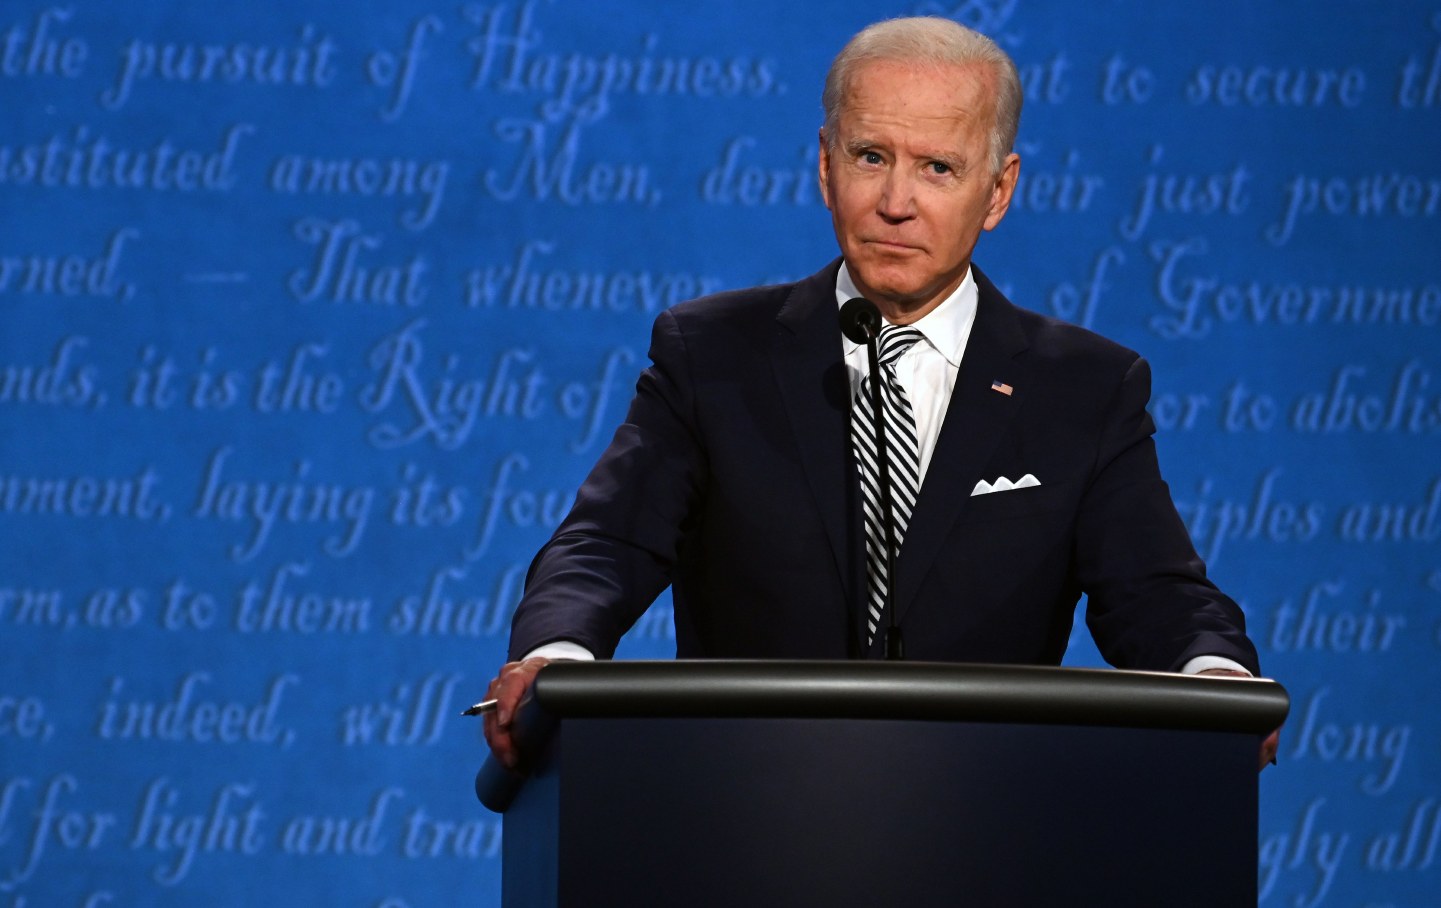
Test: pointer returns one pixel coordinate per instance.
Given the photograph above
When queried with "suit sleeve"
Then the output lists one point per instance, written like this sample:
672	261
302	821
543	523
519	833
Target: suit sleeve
613	553
1150	603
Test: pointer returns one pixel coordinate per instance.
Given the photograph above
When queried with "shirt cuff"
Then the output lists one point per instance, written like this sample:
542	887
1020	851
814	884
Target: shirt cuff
1201	663
564	649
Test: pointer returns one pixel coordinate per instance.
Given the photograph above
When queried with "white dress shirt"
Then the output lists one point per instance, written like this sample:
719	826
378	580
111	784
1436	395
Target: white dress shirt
927	371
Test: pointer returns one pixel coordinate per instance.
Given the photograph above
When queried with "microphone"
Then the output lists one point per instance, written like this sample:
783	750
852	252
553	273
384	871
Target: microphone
861	322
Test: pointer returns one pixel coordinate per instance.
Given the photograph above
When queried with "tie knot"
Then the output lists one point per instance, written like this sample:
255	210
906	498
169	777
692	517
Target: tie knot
894	341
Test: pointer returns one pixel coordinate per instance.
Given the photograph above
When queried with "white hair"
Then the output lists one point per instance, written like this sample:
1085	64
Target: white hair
929	40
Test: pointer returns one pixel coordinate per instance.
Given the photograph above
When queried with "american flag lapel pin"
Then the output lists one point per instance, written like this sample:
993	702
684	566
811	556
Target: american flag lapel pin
1002	387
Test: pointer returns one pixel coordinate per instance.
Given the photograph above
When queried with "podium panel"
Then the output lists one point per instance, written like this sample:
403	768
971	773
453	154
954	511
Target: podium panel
864	810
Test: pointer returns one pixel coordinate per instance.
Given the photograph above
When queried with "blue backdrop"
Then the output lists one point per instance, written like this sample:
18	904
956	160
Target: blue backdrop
313	316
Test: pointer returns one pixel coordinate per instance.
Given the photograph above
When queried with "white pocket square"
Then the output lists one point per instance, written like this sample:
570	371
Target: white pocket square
1005	485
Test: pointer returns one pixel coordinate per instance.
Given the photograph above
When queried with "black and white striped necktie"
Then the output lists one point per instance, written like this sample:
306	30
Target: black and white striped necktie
905	464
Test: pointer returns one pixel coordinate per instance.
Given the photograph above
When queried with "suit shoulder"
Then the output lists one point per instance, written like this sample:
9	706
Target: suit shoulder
1048	340
714	334
743	305
759	306
1066	344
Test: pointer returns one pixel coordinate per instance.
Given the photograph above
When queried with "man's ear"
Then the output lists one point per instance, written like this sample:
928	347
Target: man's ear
823	168
1004	189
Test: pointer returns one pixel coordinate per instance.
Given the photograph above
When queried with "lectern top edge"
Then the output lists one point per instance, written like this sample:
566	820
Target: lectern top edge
910	690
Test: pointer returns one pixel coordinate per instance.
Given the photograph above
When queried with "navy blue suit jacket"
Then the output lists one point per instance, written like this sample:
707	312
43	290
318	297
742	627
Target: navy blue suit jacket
732	479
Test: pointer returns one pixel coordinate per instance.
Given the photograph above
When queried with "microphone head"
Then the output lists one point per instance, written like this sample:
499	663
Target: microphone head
860	320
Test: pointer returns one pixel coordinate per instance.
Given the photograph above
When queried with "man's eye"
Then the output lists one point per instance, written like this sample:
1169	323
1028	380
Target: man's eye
938	168
870	157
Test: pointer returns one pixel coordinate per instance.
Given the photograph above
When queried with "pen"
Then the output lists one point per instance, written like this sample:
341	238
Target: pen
481	708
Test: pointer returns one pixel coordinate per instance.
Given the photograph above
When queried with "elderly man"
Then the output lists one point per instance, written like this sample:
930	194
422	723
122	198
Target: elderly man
1024	469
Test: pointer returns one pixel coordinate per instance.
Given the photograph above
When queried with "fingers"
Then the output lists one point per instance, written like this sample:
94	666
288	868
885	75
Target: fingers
508	689
511	686
1269	748
497	738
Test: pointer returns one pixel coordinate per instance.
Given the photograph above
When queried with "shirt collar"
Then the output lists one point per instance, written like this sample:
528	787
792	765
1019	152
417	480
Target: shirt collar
945	327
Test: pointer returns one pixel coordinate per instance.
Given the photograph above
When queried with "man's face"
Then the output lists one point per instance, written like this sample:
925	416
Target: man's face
909	182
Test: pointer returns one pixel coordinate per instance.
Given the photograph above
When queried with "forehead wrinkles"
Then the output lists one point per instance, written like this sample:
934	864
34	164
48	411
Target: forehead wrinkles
901	100
943	137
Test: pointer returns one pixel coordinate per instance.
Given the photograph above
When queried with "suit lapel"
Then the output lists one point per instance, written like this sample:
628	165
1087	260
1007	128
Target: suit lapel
975	419
811	376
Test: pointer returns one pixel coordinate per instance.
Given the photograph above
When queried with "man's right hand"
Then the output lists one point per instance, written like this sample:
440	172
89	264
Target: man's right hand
508	689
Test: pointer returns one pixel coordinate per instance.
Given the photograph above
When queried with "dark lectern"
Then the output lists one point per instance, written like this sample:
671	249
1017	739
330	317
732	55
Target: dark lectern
882	784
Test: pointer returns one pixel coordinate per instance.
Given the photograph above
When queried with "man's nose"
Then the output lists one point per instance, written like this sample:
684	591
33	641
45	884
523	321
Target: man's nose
898	196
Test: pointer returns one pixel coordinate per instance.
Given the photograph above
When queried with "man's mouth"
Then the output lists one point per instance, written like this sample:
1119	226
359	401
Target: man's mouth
892	245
